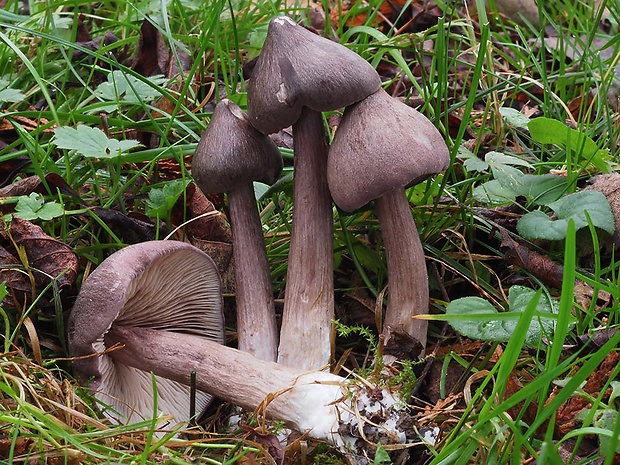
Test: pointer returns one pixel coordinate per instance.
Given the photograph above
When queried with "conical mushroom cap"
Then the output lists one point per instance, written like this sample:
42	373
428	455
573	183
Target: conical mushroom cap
382	144
297	68
231	152
166	285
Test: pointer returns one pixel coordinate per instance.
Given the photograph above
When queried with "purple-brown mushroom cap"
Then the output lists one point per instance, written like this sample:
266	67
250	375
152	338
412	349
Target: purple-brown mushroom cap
382	144
298	68
231	152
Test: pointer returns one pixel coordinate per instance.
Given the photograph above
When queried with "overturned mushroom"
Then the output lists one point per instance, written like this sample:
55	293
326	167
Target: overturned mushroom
351	415
381	147
164	285
298	75
230	156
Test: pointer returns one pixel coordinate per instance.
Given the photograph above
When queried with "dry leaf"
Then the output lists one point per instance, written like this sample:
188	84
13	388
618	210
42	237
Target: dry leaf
53	258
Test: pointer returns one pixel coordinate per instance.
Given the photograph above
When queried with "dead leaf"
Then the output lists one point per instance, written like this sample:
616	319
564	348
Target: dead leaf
566	415
129	229
205	228
10	168
51	257
274	447
539	265
17	282
18	446
93	45
406	16
32	184
609	186
152	56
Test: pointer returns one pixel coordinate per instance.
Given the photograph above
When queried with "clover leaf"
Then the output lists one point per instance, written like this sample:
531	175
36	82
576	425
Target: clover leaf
34	207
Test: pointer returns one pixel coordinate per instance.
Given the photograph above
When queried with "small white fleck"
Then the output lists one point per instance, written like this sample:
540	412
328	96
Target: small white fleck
430	435
282	94
281	20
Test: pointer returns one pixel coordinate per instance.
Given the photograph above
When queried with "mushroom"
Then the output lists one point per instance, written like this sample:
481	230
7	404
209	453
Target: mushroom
163	285
298	75
322	405
231	155
382	146
146	309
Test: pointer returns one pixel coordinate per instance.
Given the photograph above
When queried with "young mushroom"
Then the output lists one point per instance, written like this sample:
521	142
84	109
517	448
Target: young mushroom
382	146
164	285
146	309
297	76
230	156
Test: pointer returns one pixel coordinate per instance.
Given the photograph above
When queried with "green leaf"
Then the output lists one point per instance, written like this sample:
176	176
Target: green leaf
476	318
499	159
537	225
162	200
34	207
606	420
514	117
494	192
10	95
542	189
91	142
551	131
381	456
125	88
470	161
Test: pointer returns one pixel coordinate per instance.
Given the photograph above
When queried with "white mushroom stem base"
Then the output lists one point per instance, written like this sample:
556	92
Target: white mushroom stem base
325	406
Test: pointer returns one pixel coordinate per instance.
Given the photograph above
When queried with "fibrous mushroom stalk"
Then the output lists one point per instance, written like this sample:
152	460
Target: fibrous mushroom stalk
257	330
323	405
306	334
408	292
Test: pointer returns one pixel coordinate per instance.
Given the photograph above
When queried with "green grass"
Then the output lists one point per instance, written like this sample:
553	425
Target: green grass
473	67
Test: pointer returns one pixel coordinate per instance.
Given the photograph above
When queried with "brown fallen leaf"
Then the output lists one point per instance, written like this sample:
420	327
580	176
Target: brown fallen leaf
32	184
10	168
204	226
130	230
16	446
17	282
269	440
152	56
6	123
609	186
565	419
539	265
93	45
406	16
51	257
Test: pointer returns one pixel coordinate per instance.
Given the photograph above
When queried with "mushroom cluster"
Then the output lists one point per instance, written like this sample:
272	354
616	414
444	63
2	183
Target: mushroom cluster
136	314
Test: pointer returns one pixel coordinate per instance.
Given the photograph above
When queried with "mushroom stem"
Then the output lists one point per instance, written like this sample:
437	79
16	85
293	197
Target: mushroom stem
408	278
256	321
306	336
318	403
